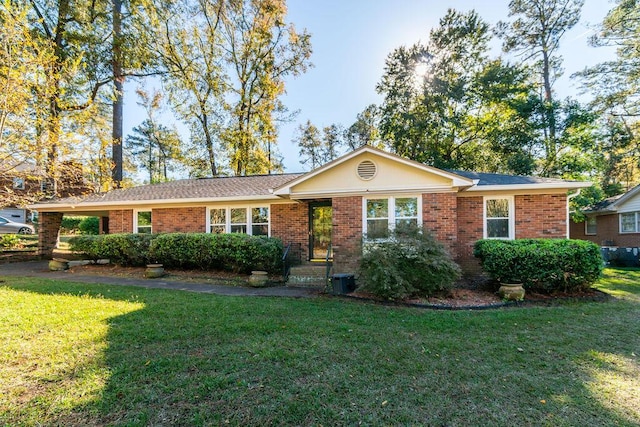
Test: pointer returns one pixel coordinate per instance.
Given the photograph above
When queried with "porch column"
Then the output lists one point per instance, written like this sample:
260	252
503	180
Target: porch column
48	232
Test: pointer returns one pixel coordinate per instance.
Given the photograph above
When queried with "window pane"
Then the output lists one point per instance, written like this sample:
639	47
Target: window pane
407	207
218	229
238	216
377	228
498	228
406	224
591	225
260	215
218	216
377	208
144	218
498	208
628	222
260	229
241	228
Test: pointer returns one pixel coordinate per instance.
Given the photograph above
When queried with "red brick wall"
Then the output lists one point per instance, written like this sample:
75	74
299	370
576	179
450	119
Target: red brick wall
607	230
290	223
470	230
440	216
48	230
179	220
347	233
121	221
541	216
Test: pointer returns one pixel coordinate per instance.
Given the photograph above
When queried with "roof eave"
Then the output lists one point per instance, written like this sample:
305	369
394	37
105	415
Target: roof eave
569	185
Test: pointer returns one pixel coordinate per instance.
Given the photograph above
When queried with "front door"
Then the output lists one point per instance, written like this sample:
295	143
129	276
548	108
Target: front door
320	224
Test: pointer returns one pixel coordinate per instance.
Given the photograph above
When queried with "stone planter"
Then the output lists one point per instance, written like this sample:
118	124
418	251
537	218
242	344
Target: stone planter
57	264
154	271
511	291
258	279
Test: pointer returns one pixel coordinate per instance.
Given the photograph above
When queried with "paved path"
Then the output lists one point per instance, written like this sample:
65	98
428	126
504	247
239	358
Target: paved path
41	269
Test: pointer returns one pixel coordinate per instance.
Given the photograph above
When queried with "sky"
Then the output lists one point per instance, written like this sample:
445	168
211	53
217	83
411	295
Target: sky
351	40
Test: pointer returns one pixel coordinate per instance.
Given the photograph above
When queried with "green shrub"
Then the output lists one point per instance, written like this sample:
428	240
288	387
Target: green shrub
239	253
10	241
543	265
407	264
70	224
121	249
89	225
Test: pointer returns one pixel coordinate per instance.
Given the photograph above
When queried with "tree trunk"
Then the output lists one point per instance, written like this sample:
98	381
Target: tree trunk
118	80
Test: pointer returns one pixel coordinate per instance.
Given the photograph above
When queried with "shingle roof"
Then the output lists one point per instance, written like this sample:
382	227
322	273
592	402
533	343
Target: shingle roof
502	179
203	188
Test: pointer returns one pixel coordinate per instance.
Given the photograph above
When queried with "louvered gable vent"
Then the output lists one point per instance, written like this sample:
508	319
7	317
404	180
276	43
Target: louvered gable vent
367	170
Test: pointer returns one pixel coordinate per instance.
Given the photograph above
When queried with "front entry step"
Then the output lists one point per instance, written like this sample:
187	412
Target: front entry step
308	276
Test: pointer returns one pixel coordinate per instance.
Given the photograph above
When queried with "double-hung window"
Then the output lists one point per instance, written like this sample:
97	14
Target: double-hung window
247	220
385	214
591	226
499	220
142	221
629	222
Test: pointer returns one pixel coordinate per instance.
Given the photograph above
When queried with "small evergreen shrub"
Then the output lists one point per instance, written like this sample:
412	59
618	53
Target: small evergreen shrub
10	241
542	265
410	263
239	253
89	225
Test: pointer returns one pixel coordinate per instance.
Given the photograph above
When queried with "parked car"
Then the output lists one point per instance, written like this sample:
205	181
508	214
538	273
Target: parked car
10	227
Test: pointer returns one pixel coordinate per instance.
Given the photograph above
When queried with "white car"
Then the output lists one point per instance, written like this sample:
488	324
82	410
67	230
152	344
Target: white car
10	227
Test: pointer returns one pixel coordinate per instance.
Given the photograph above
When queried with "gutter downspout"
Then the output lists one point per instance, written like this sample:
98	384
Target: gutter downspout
569	197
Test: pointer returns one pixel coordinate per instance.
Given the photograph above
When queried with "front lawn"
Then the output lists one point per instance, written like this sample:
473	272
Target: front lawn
76	354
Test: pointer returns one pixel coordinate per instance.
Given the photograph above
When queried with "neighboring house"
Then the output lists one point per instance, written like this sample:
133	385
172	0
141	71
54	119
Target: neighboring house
359	196
614	222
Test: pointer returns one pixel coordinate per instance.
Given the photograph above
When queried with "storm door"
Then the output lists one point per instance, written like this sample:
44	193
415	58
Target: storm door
320	224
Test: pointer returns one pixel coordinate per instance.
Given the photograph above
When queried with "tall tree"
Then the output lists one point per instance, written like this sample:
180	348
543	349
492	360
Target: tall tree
535	34
444	101
261	50
309	141
332	142
364	131
155	147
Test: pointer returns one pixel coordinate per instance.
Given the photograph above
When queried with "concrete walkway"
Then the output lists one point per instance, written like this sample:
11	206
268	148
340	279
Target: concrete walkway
41	269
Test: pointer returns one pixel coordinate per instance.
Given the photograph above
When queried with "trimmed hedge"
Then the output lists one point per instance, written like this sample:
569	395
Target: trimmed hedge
409	263
239	253
543	265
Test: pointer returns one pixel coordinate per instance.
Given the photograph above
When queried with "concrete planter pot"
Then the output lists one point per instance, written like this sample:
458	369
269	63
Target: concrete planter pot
511	291
57	264
258	279
154	271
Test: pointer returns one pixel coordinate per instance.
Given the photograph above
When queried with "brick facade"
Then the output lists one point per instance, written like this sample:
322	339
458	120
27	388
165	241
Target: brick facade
347	233
290	223
470	230
440	217
541	216
179	220
121	221
607	233
48	232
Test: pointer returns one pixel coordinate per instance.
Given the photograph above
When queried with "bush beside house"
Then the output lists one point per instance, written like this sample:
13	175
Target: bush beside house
239	253
410	263
542	265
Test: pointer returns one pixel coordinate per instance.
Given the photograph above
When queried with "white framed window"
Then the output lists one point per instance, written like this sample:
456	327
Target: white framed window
252	220
591	225
382	215
499	218
18	183
629	222
142	221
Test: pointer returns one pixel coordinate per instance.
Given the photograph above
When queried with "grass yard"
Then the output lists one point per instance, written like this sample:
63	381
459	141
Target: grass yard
77	354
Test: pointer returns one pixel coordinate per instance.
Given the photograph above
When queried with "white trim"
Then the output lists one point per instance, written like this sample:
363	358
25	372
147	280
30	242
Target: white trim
568	185
248	209
391	209
512	219
635	222
135	220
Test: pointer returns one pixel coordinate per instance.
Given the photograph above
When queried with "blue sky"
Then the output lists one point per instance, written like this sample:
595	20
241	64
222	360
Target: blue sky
352	38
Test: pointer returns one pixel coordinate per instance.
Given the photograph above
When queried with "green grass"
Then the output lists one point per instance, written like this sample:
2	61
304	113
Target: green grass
77	354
